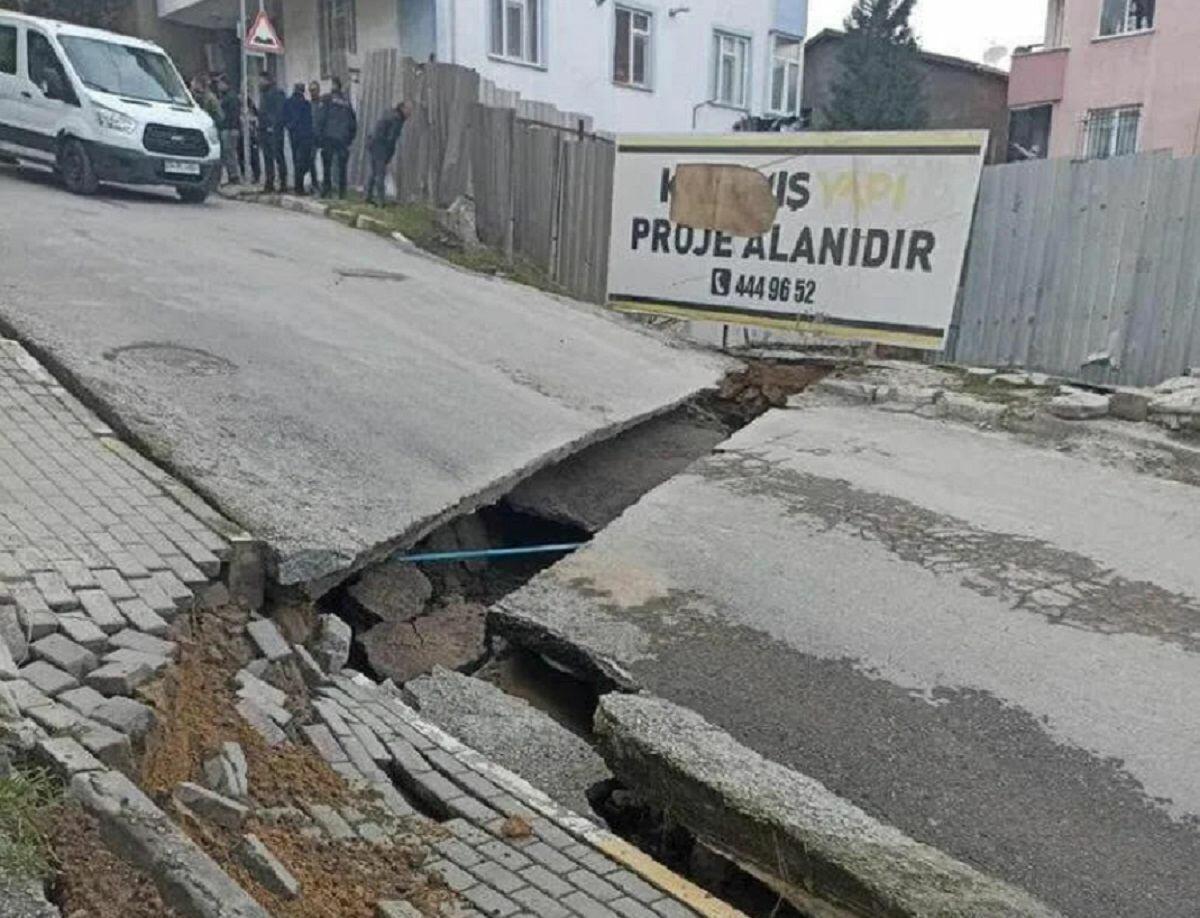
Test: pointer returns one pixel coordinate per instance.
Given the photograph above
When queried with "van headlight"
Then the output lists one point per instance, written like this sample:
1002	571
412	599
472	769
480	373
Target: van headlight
115	121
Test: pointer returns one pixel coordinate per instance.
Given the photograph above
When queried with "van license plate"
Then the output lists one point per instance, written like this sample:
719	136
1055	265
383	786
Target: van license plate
177	168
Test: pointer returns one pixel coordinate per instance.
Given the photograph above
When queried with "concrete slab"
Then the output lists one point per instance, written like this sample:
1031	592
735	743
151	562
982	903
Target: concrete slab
331	415
990	645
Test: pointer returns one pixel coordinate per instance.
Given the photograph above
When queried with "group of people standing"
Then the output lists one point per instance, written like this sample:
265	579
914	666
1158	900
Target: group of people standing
307	122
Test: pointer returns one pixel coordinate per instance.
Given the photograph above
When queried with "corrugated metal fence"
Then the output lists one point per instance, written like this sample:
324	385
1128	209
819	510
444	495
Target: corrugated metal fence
1089	270
541	184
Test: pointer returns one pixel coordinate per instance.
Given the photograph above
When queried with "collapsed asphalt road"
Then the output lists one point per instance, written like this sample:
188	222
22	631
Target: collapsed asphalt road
328	413
990	645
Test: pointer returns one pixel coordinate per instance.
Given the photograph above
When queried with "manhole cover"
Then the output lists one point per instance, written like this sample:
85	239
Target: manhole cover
184	361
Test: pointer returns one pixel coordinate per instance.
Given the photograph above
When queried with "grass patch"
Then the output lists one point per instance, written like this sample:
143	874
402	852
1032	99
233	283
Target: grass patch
418	222
29	799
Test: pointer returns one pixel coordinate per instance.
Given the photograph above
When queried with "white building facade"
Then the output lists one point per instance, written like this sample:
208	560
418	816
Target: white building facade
633	65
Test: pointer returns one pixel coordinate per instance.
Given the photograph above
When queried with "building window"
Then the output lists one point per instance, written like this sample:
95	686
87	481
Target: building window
631	52
337	29
516	30
732	71
785	75
1120	16
1112	132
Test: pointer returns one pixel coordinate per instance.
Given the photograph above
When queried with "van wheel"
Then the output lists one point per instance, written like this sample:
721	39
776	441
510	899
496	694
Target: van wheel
75	167
190	195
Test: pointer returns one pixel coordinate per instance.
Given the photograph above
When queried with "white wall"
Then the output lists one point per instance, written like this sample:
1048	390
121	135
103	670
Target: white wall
577	71
577	75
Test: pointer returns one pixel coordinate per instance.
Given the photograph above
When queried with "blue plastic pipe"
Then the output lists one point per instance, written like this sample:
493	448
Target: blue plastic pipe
486	553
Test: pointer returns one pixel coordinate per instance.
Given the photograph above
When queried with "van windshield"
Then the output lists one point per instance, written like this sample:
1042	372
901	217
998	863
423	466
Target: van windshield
123	70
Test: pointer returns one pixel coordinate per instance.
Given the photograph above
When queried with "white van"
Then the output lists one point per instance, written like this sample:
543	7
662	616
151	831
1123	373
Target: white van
101	107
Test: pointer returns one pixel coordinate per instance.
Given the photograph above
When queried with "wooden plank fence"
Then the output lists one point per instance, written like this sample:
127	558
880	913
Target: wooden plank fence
541	184
1088	270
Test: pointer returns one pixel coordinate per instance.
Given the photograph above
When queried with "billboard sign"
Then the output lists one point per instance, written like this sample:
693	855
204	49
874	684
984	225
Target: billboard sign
863	235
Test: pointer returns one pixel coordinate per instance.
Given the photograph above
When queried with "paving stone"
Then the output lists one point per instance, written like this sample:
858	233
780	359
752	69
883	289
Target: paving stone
66	756
593	885
175	589
266	868
83	631
261	721
370	743
50	680
330	821
454	876
373	833
185	570
634	886
120	677
76	574
394	908
454	850
631	908
332	645
106	744
8	666
54	718
472	809
227	772
265	634
114	585
126	716
393	801
83	700
670	908
594	861
211	806
489	901
35	616
467	833
26	695
407	758
54	590
504	855
331	713
586	907
539	903
432	788
445	763
145	643
261	692
546	881
551	834
154	596
64	653
310	670
325	743
283	816
12	632
143	618
358	755
497	877
101	610
10	711
548	857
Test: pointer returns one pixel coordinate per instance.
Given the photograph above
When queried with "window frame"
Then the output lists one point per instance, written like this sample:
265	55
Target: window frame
647	84
783	110
1126	30
533	48
747	42
331	13
1114	112
71	97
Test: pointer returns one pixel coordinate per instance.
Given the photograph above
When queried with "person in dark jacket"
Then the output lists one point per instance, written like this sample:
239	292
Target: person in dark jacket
337	126
298	118
381	147
271	125
231	129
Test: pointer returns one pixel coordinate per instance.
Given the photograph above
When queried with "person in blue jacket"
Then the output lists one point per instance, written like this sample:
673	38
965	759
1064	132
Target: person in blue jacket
298	119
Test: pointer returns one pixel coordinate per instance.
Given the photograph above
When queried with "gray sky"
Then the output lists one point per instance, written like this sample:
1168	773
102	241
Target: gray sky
966	28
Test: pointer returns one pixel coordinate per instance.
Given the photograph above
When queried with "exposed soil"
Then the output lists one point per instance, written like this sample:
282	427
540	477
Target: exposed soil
93	882
196	714
764	384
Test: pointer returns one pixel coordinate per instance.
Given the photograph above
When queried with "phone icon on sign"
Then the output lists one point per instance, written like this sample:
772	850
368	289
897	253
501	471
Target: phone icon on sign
722	281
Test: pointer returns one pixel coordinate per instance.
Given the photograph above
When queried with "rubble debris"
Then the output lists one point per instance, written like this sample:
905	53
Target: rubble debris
261	721
394	591
1078	405
266	868
512	733
452	636
227	772
332	649
210	805
270	642
1130	404
782	825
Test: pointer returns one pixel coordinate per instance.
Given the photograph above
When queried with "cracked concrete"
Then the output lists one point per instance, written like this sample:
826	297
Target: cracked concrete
990	645
334	415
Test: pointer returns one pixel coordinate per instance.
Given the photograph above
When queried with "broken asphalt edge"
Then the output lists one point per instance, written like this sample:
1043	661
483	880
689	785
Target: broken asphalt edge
246	566
811	846
573	824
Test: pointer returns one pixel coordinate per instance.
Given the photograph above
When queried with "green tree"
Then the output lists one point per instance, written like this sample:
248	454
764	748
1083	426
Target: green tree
880	86
103	14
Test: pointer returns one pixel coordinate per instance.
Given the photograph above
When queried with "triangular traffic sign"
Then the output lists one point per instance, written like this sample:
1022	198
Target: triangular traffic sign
262	36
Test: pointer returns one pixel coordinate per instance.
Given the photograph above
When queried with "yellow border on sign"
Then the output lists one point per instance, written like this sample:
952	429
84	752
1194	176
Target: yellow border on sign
848	140
853	333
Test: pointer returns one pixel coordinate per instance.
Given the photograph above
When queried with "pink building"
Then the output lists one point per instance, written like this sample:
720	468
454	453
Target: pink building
1114	77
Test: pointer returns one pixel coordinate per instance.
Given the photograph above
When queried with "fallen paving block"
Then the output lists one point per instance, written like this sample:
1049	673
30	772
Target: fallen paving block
262	693
266	868
50	680
330	821
82	630
126	716
227	772
145	643
1078	405
100	608
332	646
65	756
83	699
109	746
261	721
395	908
187	878
819	851
9	709
55	718
119	677
143	618
325	743
210	805
124	654
266	636
310	670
